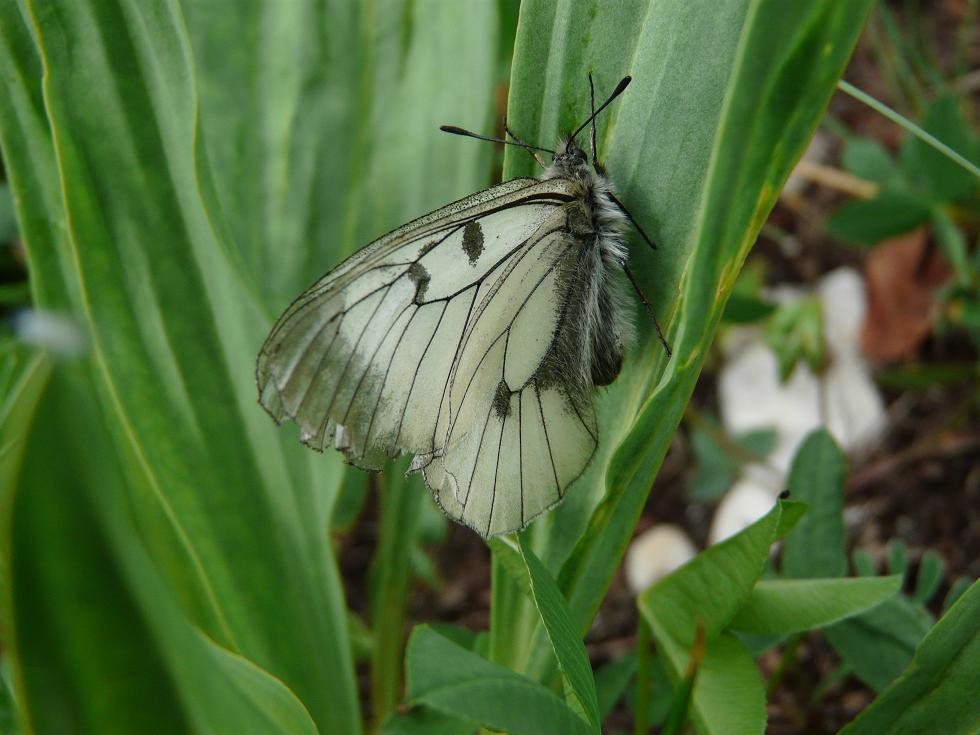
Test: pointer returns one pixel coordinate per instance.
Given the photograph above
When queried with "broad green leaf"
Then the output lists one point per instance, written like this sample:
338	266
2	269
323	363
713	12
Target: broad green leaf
321	122
709	591
713	586
879	644
202	184
123	625
565	640
891	213
728	695
721	106
449	678
816	546
941	684
777	607
866	159
174	334
928	169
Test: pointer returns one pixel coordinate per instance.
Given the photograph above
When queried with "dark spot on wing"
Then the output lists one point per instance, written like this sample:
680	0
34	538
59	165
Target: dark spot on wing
501	400
473	240
420	277
427	247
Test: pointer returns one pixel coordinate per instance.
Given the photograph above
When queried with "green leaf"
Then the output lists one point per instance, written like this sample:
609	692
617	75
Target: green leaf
930	576
426	721
714	585
312	118
728	693
816	547
709	591
611	681
927	168
879	644
778	607
453	680
952	242
174	189
742	309
124	624
893	212
565	640
8	218
866	159
721	107
137	254
941	684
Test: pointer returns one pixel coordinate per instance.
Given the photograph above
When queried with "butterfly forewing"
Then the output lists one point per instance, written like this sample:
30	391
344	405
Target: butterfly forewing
429	341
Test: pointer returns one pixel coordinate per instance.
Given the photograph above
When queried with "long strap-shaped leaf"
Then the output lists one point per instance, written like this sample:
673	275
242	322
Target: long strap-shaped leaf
722	105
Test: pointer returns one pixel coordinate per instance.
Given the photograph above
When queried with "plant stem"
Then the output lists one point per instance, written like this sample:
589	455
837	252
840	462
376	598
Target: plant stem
644	678
400	500
908	125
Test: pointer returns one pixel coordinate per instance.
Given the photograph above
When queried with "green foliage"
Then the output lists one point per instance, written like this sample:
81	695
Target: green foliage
720	457
180	173
699	159
921	182
447	677
940	686
778	607
565	641
816	478
795	334
707	593
746	304
877	644
173	206
8	222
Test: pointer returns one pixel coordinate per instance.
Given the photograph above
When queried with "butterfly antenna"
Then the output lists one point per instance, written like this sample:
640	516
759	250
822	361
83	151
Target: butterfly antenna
595	155
470	134
647	308
508	131
623	84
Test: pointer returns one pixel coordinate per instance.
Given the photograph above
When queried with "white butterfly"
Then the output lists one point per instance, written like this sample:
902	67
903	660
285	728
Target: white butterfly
472	337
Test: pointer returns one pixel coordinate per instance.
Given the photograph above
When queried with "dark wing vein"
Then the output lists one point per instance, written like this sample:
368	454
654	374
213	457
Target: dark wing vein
370	363
496	471
415	375
547	440
384	382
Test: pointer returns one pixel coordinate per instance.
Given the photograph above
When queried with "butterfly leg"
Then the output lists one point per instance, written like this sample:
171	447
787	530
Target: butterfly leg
647	308
622	208
595	155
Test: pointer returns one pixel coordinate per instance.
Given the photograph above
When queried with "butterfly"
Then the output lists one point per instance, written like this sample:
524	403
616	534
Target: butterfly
473	337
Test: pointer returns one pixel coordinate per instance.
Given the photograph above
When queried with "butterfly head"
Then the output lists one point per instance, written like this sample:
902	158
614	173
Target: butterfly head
570	160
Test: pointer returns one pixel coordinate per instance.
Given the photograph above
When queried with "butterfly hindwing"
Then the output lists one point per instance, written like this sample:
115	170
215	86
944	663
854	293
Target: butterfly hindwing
428	341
